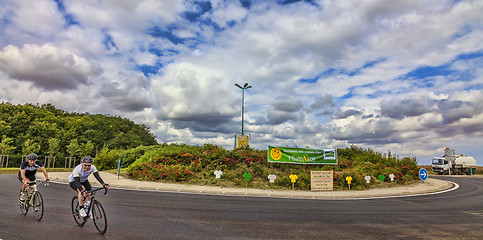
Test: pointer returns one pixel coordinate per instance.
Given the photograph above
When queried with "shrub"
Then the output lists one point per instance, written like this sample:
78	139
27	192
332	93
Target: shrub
129	156
195	164
107	159
153	171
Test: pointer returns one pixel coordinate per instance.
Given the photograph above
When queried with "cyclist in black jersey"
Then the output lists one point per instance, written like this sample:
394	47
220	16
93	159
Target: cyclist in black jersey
28	169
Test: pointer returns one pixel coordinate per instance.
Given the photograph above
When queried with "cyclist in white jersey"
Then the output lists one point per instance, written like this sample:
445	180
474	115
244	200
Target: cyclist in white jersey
78	180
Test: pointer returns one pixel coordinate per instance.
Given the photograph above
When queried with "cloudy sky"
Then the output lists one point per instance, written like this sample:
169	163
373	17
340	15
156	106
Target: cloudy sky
404	76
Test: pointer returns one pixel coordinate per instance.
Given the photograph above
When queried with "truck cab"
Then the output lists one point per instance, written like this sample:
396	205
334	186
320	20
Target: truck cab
440	165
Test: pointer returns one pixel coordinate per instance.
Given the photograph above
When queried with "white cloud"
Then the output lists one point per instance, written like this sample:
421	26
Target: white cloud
192	96
46	66
227	11
40	18
354	56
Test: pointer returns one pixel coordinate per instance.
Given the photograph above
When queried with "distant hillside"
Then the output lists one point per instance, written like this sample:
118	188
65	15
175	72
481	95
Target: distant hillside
46	130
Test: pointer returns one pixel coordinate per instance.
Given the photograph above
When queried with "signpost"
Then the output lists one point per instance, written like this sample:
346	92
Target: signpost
349	181
423	174
321	180
247	178
217	173
293	179
118	168
243	141
271	178
381	177
368	181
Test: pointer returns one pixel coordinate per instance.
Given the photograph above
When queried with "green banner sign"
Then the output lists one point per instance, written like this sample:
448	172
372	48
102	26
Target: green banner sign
302	155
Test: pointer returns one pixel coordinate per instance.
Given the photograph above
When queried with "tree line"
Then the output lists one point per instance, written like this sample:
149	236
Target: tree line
48	131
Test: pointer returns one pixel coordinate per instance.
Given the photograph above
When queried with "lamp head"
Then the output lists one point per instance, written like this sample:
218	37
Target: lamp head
245	86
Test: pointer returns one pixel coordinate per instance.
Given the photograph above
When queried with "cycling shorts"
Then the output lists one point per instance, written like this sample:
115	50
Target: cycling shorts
86	184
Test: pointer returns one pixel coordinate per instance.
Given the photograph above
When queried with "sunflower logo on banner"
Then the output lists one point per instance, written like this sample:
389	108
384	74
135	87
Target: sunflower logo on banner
275	153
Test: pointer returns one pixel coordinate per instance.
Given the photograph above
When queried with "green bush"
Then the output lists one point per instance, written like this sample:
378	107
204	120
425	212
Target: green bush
129	156
107	159
153	171
196	164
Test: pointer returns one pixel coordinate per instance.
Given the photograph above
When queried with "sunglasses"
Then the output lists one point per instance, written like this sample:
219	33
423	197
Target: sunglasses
87	165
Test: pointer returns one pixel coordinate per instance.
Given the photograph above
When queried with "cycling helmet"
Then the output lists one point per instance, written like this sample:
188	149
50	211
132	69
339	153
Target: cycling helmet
87	160
32	156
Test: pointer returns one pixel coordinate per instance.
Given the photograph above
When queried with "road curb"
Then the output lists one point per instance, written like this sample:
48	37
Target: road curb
430	186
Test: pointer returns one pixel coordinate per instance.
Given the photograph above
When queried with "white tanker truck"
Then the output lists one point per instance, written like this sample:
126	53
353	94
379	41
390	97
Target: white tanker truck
452	163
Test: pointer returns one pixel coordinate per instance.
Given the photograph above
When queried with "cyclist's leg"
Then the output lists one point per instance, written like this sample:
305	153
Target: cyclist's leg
21	197
80	198
88	187
20	179
30	178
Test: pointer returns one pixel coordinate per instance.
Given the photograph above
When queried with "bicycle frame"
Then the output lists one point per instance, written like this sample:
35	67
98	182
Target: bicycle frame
31	190
95	209
37	204
92	194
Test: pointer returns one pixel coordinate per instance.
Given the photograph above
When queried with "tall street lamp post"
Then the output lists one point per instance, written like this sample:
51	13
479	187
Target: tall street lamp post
246	86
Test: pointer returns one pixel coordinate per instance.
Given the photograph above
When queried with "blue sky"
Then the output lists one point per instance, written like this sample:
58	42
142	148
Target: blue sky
402	76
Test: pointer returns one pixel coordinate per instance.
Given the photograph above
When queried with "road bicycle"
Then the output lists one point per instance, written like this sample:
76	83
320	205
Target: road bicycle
33	199
94	211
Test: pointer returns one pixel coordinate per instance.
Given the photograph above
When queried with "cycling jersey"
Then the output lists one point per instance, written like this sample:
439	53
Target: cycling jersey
31	170
79	172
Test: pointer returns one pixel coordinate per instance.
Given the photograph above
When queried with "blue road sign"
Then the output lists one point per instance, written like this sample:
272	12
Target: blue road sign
423	174
118	168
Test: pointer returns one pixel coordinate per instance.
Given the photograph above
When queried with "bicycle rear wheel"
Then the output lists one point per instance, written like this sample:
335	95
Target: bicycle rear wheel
75	212
24	207
38	206
99	217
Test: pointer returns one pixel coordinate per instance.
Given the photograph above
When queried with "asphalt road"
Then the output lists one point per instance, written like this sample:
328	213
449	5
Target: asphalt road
153	215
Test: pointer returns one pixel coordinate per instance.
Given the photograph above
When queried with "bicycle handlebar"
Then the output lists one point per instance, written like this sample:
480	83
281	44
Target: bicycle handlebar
37	181
92	191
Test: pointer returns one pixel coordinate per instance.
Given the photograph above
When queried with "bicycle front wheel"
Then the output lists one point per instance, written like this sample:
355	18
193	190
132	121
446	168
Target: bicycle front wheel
75	212
99	217
24	206
38	206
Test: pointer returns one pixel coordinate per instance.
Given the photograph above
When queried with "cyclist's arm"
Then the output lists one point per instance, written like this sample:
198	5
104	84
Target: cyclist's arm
24	178
76	176
98	177
78	184
45	174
